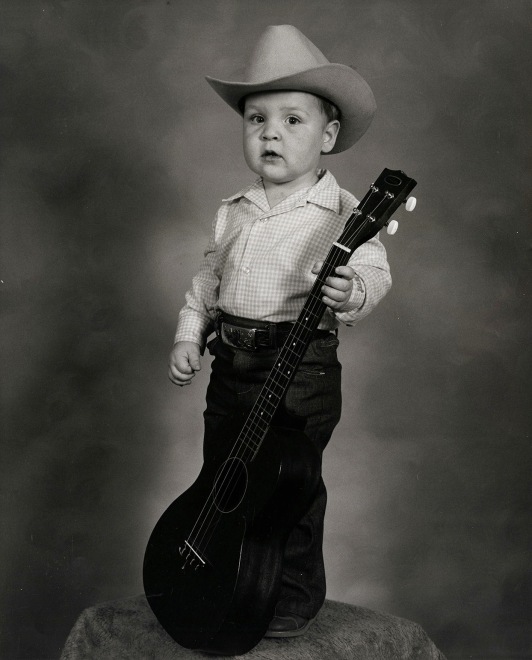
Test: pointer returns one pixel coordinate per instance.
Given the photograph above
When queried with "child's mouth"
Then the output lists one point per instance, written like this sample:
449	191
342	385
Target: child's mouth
270	155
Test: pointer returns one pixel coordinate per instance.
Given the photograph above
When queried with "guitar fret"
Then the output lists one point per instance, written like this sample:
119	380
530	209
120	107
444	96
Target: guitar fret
259	411
250	430
271	392
248	442
273	389
291	351
308	313
267	402
256	419
298	339
253	435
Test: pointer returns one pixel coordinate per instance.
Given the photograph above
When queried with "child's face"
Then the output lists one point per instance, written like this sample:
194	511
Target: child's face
284	134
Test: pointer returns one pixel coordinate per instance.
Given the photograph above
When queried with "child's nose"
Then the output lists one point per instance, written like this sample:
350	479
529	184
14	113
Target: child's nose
270	131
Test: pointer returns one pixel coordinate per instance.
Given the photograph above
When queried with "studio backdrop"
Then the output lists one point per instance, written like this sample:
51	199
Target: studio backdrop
115	156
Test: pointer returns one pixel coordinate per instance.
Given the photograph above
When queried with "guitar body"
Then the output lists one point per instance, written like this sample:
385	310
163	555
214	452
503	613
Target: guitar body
222	599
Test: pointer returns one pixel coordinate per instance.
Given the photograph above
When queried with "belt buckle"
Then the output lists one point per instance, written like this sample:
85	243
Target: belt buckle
239	337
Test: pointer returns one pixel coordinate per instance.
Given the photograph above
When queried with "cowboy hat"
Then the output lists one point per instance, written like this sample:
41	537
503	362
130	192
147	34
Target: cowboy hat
284	59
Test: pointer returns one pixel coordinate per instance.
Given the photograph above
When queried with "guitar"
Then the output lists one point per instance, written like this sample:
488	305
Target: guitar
213	563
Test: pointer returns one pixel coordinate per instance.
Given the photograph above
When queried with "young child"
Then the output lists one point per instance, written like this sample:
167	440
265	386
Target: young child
262	259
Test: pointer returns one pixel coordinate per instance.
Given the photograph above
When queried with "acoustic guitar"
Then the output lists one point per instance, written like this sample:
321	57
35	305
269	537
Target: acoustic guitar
213	563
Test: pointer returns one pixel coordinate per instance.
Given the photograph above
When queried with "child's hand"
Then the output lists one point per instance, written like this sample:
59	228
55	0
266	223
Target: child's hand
183	362
337	290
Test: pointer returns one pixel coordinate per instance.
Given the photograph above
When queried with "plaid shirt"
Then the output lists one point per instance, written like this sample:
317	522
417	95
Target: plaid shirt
258	261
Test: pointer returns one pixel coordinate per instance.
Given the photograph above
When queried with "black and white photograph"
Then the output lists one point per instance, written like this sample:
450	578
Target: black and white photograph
265	315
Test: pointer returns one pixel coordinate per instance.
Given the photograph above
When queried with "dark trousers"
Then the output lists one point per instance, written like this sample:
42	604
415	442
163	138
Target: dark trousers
314	395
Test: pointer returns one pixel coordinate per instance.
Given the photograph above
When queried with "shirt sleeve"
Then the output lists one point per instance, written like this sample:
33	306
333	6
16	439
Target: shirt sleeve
196	318
371	283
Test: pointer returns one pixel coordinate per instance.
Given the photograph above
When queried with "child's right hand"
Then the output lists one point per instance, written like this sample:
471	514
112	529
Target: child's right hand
183	362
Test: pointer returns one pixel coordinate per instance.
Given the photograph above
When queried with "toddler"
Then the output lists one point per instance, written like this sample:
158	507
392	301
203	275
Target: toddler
264	253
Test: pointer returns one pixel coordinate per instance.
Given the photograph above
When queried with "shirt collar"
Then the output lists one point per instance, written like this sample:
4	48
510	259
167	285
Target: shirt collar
326	193
254	192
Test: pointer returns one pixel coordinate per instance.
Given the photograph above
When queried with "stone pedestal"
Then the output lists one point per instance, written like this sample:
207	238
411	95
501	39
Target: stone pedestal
127	629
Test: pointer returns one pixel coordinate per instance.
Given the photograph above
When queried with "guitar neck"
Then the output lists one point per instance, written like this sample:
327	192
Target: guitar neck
372	213
290	356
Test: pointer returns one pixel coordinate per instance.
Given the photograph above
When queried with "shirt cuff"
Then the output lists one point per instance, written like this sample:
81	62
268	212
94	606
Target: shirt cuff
356	300
189	337
193	327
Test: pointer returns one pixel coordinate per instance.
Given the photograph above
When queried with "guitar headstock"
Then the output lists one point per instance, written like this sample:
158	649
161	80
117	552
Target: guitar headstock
384	197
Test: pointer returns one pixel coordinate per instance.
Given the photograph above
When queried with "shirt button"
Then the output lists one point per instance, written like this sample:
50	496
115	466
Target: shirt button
246	270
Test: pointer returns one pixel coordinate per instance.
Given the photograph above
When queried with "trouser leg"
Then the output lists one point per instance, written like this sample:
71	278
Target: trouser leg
314	395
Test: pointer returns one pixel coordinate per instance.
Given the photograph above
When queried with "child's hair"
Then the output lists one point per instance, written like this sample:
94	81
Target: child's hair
331	112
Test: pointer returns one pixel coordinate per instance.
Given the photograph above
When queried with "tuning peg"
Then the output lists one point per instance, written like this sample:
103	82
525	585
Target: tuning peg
391	227
410	203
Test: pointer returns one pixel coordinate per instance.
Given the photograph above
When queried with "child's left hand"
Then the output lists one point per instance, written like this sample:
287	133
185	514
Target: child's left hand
337	290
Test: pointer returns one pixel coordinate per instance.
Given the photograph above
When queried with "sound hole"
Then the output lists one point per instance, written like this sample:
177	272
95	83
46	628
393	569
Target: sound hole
230	485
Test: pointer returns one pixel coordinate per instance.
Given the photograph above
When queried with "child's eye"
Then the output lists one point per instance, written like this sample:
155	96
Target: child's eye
293	120
256	119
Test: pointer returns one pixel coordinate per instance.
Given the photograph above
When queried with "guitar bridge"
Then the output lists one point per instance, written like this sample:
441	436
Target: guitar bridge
191	557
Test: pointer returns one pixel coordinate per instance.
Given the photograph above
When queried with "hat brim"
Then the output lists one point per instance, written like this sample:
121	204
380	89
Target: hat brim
337	83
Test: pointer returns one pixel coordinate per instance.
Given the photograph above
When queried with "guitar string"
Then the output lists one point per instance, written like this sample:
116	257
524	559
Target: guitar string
240	453
243	440
195	534
297	335
245	446
244	452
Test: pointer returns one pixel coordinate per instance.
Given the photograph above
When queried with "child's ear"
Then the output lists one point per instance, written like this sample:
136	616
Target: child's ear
330	133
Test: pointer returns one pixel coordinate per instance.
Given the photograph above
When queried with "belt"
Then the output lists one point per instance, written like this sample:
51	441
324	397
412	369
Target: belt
250	335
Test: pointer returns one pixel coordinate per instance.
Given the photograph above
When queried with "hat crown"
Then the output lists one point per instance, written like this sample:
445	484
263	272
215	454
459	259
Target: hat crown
282	51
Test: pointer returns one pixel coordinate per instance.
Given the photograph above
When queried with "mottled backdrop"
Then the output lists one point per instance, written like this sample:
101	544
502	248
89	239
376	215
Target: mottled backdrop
115	154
